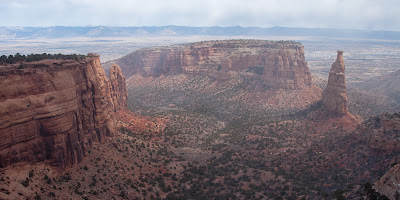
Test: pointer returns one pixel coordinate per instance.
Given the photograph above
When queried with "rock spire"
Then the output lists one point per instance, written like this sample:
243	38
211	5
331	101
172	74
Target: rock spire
334	96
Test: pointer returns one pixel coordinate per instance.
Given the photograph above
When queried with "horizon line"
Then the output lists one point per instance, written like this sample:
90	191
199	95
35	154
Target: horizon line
239	26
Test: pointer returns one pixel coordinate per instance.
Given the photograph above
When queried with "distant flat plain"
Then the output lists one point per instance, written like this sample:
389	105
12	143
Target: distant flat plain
364	58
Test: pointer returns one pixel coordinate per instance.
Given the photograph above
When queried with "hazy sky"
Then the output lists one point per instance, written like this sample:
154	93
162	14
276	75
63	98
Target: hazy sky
353	14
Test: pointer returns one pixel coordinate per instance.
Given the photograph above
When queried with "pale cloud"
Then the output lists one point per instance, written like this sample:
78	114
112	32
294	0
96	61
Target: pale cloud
352	14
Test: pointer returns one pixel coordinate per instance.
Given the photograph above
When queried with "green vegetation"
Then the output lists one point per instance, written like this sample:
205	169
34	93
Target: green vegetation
372	194
12	59
237	150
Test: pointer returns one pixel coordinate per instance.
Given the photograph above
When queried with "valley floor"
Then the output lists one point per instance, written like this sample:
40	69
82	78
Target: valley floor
188	155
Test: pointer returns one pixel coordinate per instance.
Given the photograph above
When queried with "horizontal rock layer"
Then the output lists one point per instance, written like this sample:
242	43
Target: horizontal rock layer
279	64
53	110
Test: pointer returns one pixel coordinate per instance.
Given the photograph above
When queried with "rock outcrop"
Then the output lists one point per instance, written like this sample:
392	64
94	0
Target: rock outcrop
53	110
334	96
381	133
119	94
389	184
280	64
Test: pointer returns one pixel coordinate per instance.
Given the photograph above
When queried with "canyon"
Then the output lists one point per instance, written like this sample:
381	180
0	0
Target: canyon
232	119
53	110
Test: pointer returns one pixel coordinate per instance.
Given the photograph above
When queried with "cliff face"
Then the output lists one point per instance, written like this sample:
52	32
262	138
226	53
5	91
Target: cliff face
278	64
54	110
334	96
118	94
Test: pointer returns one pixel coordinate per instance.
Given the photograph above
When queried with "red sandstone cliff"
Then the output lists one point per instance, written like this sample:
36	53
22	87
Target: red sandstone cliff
54	110
119	94
280	64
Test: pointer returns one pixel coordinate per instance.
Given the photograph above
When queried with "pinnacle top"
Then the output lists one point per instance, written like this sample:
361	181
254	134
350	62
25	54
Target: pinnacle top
339	56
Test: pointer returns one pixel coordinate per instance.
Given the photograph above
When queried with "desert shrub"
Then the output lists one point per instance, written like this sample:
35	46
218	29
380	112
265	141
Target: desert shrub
25	183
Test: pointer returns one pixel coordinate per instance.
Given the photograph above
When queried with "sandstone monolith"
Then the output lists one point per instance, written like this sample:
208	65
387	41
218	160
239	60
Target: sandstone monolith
334	96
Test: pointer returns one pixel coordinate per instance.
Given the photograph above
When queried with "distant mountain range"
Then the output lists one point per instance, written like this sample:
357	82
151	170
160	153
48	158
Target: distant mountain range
110	31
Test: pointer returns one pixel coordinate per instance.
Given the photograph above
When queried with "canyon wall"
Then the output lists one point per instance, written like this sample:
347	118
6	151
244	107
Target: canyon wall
53	110
280	64
118	94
